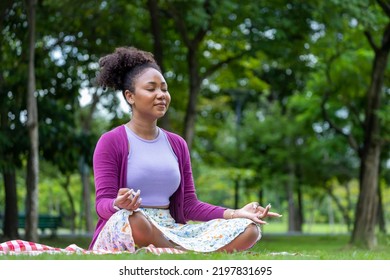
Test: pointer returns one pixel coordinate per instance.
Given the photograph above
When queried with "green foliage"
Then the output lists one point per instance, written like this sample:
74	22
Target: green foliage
265	67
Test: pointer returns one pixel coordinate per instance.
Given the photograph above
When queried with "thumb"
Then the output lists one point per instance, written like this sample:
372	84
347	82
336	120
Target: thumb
122	191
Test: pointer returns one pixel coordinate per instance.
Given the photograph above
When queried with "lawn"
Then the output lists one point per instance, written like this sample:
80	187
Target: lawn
271	247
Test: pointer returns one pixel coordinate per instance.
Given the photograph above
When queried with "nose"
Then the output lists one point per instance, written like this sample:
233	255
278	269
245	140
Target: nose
161	94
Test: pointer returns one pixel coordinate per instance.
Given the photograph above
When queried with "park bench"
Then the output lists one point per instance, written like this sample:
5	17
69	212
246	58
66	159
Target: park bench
45	221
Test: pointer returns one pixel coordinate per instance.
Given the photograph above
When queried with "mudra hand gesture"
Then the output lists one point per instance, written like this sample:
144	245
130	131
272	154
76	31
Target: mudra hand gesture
128	199
255	212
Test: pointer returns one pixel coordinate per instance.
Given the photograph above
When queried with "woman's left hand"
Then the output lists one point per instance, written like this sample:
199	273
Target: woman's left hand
255	212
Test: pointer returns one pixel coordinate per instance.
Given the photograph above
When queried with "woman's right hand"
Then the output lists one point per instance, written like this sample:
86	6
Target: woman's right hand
128	199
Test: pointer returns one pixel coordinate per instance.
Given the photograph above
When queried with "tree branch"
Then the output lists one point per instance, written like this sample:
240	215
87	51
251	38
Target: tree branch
218	65
351	140
203	31
385	6
371	41
180	24
386	38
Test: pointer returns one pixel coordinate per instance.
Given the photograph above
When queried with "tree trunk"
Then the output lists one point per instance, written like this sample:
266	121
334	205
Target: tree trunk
65	185
32	125
190	118
294	215
158	48
291	208
300	217
349	203
260	196
192	45
10	226
366	210
86	195
367	206
381	215
84	168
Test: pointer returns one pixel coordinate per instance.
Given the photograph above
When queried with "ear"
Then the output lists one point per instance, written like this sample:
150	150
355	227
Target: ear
129	97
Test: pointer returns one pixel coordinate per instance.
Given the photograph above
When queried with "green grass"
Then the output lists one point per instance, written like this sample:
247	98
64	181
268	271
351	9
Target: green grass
270	247
282	228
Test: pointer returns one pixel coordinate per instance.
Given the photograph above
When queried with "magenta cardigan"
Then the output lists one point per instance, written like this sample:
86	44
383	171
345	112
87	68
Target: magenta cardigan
110	173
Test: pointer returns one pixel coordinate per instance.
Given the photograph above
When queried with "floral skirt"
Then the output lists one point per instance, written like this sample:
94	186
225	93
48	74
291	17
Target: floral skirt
198	236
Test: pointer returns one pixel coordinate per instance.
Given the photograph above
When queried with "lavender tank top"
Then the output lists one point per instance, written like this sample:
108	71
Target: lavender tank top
152	168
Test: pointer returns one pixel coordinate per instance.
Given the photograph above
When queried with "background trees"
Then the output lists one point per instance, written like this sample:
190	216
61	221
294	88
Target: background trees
360	105
284	102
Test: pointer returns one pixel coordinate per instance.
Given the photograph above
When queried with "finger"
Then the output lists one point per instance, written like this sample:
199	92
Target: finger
274	214
260	221
137	194
265	212
260	209
125	196
135	199
122	191
138	204
123	200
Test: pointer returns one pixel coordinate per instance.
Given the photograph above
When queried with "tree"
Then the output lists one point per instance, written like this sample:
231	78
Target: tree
9	106
72	132
32	125
272	70
367	206
360	100
192	32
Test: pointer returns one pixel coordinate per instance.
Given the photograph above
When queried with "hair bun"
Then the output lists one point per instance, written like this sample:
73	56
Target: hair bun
114	66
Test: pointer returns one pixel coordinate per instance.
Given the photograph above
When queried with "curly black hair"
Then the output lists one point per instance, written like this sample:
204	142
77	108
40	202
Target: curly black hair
119	69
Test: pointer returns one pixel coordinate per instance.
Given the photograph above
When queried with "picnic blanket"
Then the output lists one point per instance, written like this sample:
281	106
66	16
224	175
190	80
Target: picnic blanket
19	247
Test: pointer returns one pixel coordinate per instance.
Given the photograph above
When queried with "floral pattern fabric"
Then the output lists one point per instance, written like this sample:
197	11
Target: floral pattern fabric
194	236
116	234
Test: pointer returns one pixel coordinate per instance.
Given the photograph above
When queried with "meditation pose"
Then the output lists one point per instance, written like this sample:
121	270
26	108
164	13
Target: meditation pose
145	191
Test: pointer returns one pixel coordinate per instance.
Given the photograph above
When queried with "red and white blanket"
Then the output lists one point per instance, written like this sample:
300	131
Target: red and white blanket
18	247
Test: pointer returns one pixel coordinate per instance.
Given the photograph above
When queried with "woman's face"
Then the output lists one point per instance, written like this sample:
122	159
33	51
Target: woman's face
150	98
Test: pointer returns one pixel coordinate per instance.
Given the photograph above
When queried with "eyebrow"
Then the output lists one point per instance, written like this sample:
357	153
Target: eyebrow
154	83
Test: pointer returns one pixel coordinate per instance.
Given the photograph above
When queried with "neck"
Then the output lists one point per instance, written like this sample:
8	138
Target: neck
144	130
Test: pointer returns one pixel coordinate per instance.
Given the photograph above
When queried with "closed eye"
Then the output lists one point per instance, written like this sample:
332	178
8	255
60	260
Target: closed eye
153	89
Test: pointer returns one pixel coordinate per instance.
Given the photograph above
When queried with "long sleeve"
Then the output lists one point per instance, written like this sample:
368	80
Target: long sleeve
109	166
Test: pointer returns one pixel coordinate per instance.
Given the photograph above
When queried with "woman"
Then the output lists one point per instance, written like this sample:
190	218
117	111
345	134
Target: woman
145	192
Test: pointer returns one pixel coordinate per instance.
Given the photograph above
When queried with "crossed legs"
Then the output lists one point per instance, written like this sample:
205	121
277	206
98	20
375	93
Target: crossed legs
244	241
145	233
